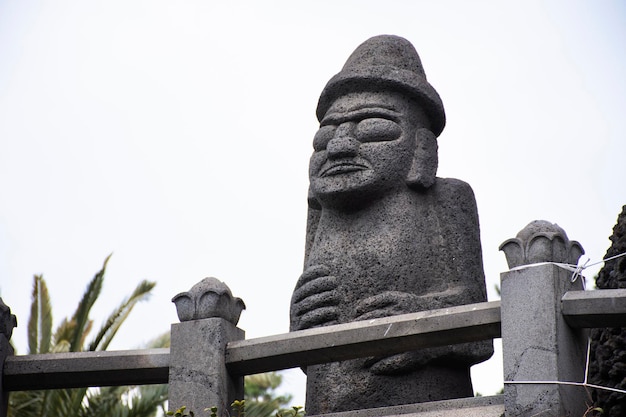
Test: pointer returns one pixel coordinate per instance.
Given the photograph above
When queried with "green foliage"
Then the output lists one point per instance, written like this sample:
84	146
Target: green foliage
181	412
593	411
244	407
239	406
261	399
40	323
70	336
296	411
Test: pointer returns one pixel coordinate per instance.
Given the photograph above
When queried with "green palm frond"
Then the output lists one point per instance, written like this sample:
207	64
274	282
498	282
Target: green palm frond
128	401
261	399
25	403
161	341
81	316
117	317
40	320
70	336
262	409
103	401
258	385
147	400
62	346
63	402
64	332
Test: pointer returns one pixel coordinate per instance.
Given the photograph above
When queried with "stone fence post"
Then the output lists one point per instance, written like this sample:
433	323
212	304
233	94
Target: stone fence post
198	378
539	348
7	322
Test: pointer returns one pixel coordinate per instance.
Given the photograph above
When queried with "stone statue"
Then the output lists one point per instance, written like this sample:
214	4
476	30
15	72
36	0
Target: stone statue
384	235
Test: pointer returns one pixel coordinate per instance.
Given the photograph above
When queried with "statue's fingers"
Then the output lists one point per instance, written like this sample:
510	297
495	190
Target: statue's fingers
375	302
374	314
324	316
315	286
387	311
312	272
316	301
393	364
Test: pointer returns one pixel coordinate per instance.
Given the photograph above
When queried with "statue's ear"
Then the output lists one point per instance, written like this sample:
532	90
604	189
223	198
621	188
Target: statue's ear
313	218
424	167
313	203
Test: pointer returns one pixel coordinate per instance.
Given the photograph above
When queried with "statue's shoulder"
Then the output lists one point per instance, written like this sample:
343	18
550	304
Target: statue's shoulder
454	204
453	190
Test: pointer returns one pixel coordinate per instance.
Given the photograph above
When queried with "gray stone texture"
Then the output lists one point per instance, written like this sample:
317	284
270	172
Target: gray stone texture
7	322
538	345
462	407
385	236
208	298
541	241
198	376
608	345
86	369
590	309
5	350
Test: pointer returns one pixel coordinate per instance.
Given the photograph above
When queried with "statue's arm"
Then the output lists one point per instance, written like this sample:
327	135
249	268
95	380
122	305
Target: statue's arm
462	232
454	203
314	301
313	217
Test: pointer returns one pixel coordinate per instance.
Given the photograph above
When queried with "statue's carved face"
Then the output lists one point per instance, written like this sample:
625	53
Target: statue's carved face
364	147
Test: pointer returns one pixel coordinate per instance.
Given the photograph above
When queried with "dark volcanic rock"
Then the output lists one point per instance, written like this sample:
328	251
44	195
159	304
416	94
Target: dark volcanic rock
385	236
608	345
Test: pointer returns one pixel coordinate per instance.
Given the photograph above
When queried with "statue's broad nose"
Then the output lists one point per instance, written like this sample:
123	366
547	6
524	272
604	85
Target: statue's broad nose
343	144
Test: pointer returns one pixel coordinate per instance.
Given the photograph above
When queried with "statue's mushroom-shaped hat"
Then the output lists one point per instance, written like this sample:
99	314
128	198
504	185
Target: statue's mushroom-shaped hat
385	62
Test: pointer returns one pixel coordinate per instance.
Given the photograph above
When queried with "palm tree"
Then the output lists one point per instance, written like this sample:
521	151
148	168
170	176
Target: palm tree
70	336
261	399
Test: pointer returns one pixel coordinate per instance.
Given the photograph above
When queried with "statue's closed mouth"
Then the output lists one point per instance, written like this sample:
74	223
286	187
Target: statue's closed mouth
342	167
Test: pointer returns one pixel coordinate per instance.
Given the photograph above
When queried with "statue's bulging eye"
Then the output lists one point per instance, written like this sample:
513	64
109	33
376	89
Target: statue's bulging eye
377	130
323	136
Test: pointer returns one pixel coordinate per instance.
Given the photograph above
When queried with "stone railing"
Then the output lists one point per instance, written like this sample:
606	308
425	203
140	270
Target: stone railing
542	319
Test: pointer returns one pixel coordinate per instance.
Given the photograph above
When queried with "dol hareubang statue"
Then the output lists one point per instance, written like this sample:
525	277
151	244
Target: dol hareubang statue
384	235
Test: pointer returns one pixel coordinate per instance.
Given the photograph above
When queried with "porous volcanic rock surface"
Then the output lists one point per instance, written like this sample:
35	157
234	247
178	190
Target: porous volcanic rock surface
608	345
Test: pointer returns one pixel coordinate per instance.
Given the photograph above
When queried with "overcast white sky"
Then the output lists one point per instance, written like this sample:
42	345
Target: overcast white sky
177	135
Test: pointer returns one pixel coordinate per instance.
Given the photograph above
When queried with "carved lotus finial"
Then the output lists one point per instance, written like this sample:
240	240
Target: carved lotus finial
541	241
208	298
7	320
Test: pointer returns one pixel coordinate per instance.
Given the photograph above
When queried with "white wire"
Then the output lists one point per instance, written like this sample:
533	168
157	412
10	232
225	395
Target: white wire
576	273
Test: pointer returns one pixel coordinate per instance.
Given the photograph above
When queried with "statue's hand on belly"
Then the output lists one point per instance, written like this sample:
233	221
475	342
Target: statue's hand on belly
391	303
315	299
385	304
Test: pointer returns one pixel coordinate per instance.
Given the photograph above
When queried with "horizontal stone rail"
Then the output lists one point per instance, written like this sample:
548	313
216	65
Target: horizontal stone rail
459	324
597	308
467	323
86	369
325	344
492	406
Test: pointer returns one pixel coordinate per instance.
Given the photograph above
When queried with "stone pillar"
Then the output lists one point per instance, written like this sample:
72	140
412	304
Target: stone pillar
7	322
198	376
537	344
